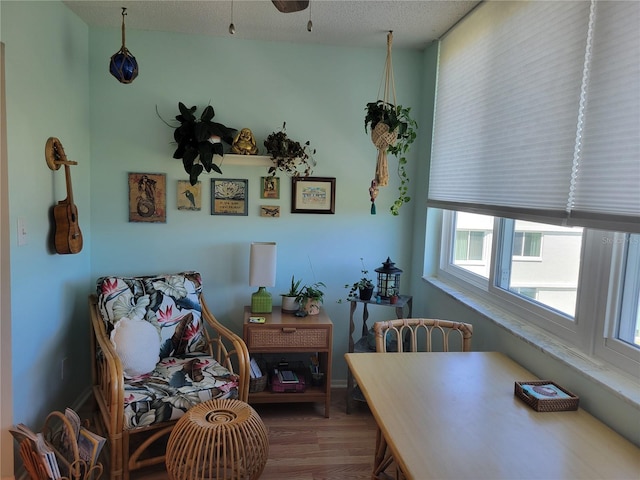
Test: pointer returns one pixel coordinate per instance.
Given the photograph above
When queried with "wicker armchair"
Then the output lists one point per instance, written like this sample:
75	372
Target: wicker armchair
414	335
138	413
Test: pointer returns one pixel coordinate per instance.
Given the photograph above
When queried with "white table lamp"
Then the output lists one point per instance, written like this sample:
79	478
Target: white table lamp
262	274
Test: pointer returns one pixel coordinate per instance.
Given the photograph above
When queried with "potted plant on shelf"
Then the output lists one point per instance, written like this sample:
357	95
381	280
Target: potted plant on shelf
290	299
393	131
393	297
310	298
291	157
363	288
198	140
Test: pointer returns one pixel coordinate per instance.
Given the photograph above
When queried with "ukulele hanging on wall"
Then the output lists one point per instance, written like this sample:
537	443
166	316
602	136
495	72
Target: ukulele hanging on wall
67	236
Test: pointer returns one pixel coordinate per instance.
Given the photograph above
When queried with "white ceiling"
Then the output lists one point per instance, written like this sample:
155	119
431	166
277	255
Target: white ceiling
358	23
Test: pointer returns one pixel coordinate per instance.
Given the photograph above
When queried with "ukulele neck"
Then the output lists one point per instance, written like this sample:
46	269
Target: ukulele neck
67	176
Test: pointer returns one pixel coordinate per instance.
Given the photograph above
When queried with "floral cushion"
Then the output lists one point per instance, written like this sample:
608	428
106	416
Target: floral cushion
185	375
176	384
169	302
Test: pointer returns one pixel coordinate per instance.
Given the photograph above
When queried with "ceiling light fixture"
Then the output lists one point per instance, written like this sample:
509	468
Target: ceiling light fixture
123	64
232	27
290	6
309	23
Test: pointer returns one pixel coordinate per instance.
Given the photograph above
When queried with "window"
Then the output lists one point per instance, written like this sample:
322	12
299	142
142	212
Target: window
469	245
552	279
526	106
558	290
628	329
527	244
472	242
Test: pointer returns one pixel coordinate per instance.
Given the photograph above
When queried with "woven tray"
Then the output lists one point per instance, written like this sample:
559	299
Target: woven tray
546	404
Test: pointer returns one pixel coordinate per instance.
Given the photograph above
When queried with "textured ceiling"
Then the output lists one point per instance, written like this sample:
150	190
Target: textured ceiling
359	23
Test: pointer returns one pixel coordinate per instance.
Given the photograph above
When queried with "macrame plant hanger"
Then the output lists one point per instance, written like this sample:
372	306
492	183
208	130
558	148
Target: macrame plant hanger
381	137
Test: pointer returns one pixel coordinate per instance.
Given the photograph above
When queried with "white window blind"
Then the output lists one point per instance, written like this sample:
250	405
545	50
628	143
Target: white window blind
511	82
608	170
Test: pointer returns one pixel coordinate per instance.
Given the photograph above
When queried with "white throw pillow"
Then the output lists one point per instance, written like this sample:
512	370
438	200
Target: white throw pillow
137	343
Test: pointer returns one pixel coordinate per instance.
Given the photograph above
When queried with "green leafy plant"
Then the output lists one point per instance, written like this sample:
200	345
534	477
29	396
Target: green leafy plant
294	289
362	284
198	140
311	292
398	118
289	156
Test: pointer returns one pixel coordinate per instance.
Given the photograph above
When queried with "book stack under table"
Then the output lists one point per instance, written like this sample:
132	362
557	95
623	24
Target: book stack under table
63	450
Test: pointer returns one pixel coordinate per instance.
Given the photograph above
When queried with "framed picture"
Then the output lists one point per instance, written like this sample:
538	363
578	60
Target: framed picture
189	196
270	187
313	195
272	211
148	197
229	196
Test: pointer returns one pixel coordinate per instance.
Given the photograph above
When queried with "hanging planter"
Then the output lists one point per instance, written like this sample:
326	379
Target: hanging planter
392	131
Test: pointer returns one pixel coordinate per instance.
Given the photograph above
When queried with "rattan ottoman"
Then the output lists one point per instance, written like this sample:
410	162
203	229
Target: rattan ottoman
218	439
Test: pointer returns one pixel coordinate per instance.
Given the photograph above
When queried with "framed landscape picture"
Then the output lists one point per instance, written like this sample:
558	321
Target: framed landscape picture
229	196
313	195
147	197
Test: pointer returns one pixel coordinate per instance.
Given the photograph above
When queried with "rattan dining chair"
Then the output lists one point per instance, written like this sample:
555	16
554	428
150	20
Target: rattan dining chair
414	335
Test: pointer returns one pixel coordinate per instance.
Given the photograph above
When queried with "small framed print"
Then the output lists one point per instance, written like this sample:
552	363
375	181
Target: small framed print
270	187
229	196
189	196
313	195
272	211
147	197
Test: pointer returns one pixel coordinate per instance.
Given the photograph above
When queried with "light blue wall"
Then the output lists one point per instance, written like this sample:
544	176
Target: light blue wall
58	85
319	91
47	90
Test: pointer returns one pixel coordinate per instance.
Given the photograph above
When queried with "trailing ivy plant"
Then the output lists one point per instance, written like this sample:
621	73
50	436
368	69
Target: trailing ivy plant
198	140
290	156
398	118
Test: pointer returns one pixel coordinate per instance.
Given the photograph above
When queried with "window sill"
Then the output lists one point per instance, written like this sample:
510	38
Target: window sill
618	383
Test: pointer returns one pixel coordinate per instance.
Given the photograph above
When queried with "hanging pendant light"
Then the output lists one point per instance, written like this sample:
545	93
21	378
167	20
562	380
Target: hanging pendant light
232	27
123	65
309	23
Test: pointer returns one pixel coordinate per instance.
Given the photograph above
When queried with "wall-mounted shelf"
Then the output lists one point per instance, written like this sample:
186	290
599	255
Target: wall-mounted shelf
244	160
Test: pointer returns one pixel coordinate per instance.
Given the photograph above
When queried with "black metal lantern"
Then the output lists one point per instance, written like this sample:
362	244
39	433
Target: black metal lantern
123	64
388	279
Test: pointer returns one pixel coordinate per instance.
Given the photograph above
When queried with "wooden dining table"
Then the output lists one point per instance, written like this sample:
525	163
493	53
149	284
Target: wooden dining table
455	416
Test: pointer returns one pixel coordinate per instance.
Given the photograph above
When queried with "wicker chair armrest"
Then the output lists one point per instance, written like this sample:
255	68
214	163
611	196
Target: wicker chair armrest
107	373
228	349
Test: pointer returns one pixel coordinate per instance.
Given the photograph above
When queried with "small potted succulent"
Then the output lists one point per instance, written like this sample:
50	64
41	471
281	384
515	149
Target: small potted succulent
363	288
291	157
290	302
311	297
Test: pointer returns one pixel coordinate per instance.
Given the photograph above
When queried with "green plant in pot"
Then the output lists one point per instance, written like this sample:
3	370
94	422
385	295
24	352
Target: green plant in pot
311	297
363	288
199	139
395	134
289	156
290	302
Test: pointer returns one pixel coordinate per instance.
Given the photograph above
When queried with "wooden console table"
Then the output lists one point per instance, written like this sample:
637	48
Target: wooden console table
361	345
284	333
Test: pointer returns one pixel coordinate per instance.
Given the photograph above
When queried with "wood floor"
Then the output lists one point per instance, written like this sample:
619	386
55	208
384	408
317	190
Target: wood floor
304	445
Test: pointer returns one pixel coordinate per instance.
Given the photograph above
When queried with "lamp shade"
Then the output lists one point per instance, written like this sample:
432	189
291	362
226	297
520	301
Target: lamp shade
262	264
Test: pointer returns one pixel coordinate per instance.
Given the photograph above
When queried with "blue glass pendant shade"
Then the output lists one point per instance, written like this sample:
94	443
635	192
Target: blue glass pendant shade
123	66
